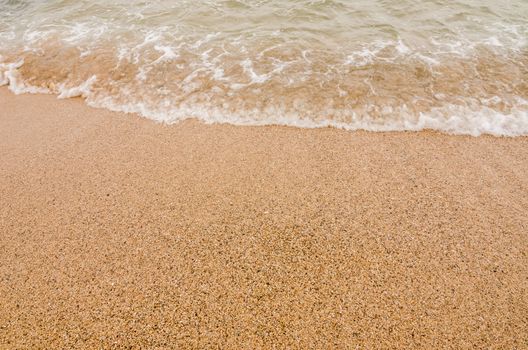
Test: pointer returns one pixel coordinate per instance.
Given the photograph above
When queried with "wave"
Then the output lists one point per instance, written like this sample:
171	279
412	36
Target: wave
461	77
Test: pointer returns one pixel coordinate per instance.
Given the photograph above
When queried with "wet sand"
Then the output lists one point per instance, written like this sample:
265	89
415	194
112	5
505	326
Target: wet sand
118	232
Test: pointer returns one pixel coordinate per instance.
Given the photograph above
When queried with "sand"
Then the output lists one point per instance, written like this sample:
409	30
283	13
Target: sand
117	232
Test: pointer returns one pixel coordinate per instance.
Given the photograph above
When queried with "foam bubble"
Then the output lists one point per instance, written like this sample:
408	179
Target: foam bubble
277	63
83	90
10	76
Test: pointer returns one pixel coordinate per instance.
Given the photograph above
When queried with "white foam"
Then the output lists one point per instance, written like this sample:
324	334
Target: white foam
218	64
369	53
168	53
476	118
452	119
83	90
402	48
205	40
10	76
247	64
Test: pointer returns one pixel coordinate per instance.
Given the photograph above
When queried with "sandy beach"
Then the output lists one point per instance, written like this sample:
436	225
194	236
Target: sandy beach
117	232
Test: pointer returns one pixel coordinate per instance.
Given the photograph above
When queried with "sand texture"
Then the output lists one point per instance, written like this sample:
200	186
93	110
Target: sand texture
117	232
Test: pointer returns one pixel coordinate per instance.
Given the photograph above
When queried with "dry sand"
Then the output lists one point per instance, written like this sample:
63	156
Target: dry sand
117	232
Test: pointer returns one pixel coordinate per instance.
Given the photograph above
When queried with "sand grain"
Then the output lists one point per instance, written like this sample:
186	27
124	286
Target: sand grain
118	232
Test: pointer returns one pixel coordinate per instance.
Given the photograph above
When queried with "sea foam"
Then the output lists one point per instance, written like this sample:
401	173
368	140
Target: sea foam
298	63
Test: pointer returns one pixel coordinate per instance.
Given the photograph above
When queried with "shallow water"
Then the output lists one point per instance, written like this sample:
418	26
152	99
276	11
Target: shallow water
456	66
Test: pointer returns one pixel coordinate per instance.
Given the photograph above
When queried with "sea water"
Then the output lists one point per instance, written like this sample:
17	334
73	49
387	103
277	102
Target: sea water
459	66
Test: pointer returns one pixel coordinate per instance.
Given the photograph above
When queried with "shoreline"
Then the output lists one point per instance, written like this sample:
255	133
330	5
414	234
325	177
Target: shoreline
118	231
